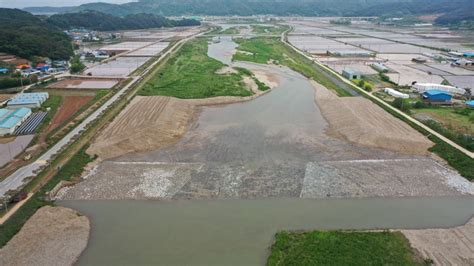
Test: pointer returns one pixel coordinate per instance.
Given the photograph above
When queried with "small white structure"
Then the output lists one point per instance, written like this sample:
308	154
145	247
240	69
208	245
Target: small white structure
422	87
28	100
396	93
380	67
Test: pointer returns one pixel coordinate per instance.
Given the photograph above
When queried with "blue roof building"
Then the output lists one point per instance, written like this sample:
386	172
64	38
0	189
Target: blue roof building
469	54
4	70
11	119
470	104
437	96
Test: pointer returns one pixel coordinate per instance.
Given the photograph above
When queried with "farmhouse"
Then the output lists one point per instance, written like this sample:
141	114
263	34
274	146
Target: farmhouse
11	119
351	74
437	97
422	87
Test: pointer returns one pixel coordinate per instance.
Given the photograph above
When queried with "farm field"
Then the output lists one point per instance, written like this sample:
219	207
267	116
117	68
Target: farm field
450	119
84	84
69	107
120	67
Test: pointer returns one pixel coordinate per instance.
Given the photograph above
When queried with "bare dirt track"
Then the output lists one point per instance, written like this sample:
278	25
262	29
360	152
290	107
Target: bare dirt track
360	121
52	236
453	246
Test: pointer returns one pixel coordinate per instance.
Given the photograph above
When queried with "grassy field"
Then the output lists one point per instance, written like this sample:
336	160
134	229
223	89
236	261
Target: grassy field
190	73
342	248
450	119
263	50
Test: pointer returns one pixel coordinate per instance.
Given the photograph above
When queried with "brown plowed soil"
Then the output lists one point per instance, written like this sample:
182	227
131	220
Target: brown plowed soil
71	104
52	236
146	123
453	246
360	121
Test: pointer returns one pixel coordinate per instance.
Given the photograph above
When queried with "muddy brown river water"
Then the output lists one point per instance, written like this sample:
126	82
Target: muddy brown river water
245	171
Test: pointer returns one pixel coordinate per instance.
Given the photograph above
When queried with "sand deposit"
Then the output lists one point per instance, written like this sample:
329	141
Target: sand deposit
52	236
146	123
453	246
360	121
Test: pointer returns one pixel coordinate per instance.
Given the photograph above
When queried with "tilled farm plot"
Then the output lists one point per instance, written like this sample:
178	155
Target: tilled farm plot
146	123
70	105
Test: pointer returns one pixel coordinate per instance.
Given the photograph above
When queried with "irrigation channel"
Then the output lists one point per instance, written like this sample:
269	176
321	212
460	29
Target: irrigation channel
245	171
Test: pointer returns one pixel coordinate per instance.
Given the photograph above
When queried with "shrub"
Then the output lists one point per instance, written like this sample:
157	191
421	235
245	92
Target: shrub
360	83
419	104
401	104
367	87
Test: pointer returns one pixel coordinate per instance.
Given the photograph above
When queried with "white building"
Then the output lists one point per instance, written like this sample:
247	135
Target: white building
396	93
28	100
422	87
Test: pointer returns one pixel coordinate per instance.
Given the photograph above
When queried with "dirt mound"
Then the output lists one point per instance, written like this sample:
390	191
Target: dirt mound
360	121
52	236
453	246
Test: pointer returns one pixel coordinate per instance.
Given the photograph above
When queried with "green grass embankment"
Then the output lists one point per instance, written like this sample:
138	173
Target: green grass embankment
263	50
190	73
342	248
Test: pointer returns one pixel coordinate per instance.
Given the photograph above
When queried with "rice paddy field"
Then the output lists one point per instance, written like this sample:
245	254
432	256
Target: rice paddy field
395	47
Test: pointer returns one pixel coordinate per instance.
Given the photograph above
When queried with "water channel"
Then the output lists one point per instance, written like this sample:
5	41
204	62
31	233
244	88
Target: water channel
237	231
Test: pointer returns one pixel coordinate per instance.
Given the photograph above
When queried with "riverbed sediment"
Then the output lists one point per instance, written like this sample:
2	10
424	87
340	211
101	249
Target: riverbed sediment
52	236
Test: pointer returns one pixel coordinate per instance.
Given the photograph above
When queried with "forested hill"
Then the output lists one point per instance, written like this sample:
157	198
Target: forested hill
454	11
95	20
25	35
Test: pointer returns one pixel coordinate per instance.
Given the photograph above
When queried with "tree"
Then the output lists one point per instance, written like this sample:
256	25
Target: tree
401	104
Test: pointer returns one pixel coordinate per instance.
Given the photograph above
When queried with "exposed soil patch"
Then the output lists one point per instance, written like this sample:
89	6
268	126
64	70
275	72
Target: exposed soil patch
453	246
146	123
360	121
70	105
226	71
52	236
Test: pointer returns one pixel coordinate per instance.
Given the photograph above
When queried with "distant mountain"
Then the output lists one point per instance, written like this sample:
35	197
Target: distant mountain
451	9
96	20
26	35
48	9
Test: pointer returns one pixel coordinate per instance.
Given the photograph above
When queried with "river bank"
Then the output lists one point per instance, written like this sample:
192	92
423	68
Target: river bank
52	236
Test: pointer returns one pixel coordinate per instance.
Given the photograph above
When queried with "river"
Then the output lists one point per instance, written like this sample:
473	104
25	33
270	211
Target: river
254	156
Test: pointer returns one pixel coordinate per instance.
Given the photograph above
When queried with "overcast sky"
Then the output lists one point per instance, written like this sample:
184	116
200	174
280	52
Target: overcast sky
28	3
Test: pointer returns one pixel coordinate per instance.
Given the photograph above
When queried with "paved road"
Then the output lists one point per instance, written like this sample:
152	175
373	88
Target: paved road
20	177
411	119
